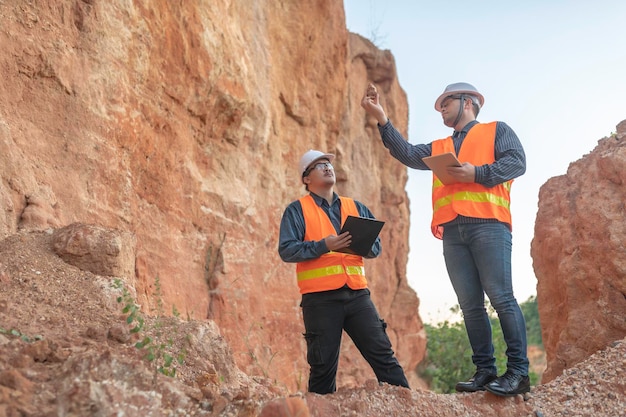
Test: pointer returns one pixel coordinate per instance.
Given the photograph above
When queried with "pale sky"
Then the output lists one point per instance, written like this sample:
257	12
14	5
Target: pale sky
553	70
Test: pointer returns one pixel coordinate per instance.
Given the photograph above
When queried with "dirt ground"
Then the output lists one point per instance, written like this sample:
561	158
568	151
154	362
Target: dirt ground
66	349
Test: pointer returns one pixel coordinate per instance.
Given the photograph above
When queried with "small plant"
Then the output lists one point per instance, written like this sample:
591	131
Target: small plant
159	348
130	308
253	356
17	333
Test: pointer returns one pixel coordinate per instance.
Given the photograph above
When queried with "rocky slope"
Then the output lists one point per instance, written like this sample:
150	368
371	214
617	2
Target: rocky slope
67	350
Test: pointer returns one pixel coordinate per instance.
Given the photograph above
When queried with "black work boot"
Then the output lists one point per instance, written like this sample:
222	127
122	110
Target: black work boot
509	384
476	382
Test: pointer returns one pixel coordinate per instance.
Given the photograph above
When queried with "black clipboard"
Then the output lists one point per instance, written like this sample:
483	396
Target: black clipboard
439	163
364	232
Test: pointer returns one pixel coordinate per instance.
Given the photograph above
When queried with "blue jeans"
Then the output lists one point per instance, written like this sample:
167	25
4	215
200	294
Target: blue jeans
478	259
326	314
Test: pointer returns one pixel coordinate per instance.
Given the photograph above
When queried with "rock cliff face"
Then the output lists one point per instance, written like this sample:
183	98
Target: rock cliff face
181	124
579	256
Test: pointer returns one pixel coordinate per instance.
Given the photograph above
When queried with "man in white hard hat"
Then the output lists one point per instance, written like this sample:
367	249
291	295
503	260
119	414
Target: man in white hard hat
334	289
473	218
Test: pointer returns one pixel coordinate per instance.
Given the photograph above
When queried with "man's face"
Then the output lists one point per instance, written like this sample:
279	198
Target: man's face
319	173
450	110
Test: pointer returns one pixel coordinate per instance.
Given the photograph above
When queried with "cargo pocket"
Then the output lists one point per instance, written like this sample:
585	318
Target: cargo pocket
313	350
384	324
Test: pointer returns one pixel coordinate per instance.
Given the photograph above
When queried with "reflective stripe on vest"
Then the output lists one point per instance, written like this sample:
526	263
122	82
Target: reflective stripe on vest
478	197
330	270
333	269
470	199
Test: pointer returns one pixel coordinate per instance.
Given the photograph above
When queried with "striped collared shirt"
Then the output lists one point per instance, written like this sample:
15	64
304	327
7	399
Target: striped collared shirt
510	159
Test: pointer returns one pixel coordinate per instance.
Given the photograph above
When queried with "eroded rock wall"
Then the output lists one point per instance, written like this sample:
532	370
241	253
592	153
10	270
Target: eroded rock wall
182	124
579	256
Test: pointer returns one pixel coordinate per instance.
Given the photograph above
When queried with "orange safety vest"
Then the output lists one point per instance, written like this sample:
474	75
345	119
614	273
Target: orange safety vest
333	269
470	199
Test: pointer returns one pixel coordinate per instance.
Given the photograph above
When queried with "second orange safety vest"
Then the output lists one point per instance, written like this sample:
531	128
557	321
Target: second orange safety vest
470	199
333	269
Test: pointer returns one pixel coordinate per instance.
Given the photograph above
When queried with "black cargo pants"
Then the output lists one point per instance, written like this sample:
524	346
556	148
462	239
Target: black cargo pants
326	314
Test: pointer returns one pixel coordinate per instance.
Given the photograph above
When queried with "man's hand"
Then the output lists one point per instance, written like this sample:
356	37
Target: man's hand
371	104
334	242
465	173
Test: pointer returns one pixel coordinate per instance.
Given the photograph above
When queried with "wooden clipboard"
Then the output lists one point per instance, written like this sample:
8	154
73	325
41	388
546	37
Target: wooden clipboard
439	163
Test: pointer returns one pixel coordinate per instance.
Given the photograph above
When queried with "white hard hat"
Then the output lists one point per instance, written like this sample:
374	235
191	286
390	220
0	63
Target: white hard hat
460	88
311	156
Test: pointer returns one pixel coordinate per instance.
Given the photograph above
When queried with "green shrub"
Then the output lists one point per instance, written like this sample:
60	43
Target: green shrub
159	347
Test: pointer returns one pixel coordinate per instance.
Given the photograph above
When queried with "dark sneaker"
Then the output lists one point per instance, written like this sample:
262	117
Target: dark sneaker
477	382
509	385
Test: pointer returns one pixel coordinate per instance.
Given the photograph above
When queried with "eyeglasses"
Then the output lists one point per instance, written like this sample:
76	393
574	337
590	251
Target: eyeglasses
320	166
458	97
452	97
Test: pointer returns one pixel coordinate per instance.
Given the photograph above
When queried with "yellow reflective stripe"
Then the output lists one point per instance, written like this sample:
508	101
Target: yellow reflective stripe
437	182
355	270
444	201
330	270
474	197
482	198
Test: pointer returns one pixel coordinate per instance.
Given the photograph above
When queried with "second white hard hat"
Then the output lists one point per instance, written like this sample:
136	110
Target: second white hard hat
460	88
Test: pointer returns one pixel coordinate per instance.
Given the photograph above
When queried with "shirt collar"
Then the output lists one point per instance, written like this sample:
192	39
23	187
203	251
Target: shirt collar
465	129
320	200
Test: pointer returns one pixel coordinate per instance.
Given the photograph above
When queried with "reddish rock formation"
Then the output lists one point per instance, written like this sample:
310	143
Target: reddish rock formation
181	124
579	256
94	249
